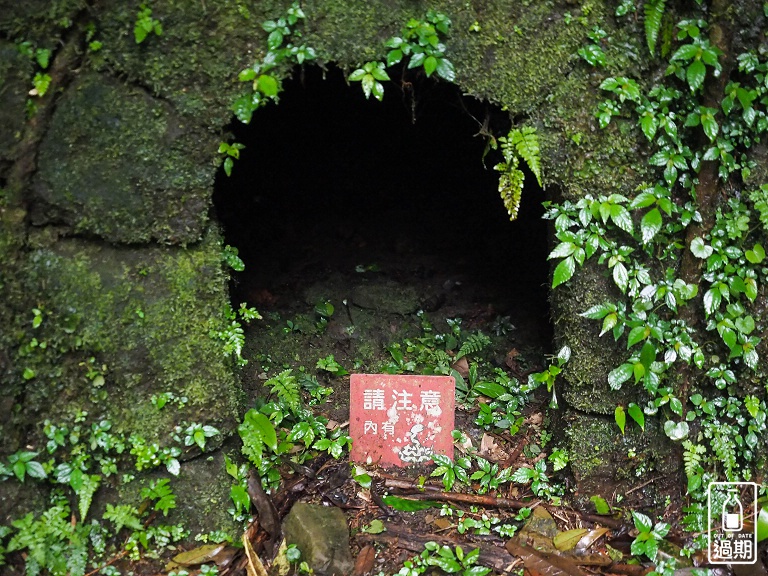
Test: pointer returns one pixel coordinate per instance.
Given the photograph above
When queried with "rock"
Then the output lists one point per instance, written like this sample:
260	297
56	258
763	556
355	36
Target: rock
118	164
322	535
386	296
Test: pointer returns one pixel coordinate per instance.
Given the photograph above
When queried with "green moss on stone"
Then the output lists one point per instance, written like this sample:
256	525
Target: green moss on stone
121	165
15	81
145	314
606	462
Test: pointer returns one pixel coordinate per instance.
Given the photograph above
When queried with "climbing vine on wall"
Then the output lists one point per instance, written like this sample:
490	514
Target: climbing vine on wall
689	280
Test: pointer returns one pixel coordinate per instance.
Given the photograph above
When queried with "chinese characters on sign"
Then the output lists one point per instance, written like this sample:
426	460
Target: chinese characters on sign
732	516
401	420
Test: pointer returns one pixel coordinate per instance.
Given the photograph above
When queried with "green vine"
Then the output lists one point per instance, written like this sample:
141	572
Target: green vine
421	42
643	240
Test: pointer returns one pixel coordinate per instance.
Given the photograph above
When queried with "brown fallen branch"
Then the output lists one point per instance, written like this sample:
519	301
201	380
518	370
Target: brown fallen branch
413	490
490	556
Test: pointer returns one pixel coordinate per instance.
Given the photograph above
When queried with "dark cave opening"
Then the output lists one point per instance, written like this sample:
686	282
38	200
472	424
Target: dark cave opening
330	182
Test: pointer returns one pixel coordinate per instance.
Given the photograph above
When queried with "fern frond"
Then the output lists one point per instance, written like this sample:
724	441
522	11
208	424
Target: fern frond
654	12
473	344
725	450
511	189
287	389
85	493
526	143
760	198
692	457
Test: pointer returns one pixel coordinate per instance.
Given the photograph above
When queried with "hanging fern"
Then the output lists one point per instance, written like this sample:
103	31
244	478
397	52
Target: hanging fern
519	143
511	187
654	12
473	344
526	143
287	389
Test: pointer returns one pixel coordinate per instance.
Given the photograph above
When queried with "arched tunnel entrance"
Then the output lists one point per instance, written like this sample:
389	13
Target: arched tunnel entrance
343	200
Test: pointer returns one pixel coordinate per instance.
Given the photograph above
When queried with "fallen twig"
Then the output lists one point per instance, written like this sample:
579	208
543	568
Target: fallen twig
474	499
417	492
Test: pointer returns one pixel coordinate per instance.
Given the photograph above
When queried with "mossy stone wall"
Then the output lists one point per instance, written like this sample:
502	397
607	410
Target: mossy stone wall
111	236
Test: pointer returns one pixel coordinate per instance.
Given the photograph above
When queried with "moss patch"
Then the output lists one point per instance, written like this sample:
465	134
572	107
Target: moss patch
143	316
15	77
121	165
607	463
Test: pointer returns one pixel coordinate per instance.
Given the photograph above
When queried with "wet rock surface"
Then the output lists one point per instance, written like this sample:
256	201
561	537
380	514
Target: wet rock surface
321	533
123	166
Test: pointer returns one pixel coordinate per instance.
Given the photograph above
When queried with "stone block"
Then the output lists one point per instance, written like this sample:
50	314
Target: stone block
322	535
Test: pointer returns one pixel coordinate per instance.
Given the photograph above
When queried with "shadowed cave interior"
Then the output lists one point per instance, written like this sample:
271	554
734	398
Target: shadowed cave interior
334	193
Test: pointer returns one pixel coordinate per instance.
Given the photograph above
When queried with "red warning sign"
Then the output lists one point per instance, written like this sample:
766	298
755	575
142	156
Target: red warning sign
399	419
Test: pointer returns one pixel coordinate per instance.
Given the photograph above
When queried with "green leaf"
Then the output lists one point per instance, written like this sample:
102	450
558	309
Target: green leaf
642	522
240	498
712	299
756	255
173	466
751	357
601	506
650	225
685	52
489	389
648	354
710	126
408	505
619	375
745	324
85	494
649	125
375	527
261	424
20	470
267	85
676	431
695	74
621	276
598	311
35	470
636	335
430	65
620	417
609	322
636	413
762	524
445	70
700	249
526	143
562	250
394	57
379	73
621	218
564	271
275	39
